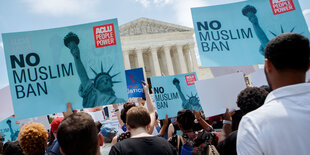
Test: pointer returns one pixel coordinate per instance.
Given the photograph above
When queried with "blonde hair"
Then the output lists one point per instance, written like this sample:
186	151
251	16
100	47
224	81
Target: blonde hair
33	138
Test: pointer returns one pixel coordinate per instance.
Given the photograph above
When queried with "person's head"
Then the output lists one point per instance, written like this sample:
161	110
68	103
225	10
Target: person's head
126	107
78	135
286	58
55	124
185	120
12	148
108	133
33	139
138	117
250	99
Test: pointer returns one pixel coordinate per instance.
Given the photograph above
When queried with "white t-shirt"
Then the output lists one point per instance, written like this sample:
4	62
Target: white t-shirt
281	126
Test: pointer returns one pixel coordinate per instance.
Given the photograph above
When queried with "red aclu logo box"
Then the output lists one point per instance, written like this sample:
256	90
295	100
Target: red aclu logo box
281	6
104	35
190	79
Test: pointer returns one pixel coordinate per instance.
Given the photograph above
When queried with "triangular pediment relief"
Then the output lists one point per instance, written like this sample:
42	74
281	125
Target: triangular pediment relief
149	26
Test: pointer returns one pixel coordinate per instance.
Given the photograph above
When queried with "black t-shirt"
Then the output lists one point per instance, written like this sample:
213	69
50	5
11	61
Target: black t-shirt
228	146
143	146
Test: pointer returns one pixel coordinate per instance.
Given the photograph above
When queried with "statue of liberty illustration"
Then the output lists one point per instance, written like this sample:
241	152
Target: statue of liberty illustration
250	12
14	135
192	102
95	92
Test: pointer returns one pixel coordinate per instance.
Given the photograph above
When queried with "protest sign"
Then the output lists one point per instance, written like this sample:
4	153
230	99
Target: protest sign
236	34
134	84
81	64
174	93
219	93
258	78
41	119
6	103
9	129
219	71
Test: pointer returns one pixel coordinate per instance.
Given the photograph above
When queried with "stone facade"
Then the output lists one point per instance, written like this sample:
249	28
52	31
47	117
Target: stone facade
160	48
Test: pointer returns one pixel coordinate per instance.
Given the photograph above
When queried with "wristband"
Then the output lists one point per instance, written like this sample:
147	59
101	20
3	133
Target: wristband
227	122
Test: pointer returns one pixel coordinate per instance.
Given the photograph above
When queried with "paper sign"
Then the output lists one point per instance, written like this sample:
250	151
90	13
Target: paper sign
236	34
258	78
81	64
174	93
134	84
220	93
219	71
6	109
9	129
42	119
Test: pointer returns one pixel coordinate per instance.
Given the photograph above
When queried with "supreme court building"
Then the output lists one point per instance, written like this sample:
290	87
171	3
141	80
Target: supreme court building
160	48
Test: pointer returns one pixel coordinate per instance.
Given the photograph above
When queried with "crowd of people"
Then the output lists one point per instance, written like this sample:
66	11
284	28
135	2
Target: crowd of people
271	120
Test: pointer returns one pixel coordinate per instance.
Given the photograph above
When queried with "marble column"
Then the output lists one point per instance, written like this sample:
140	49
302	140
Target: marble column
168	60
193	57
188	60
139	53
140	58
155	62
126	60
183	67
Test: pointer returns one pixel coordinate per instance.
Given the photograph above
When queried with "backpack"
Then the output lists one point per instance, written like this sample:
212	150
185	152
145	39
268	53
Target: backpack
198	144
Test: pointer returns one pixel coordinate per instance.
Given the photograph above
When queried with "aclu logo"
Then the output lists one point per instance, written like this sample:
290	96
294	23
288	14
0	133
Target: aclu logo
281	6
104	35
134	86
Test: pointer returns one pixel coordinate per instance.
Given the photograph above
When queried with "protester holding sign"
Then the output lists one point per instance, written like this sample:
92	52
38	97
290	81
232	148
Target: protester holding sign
226	41
174	93
81	64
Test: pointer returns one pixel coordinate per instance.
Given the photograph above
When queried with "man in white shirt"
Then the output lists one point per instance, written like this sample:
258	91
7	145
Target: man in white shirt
281	126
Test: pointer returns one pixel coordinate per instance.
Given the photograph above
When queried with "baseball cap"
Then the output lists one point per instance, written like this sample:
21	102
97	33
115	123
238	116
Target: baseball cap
107	131
55	123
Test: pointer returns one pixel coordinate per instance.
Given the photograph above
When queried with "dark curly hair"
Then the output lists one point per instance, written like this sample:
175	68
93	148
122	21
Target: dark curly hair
126	107
289	51
186	119
251	98
12	148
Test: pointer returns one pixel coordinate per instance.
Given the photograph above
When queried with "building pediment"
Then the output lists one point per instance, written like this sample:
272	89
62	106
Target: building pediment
143	26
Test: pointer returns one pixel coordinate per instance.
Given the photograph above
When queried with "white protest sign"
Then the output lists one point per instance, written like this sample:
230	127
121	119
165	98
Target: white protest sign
97	116
220	93
42	119
219	71
6	109
258	78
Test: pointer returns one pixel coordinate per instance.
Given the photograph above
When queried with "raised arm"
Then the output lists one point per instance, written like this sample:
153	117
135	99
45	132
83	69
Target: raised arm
118	115
150	106
71	40
227	125
202	122
164	127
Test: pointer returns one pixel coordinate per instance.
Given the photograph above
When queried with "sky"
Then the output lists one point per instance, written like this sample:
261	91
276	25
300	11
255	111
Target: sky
27	15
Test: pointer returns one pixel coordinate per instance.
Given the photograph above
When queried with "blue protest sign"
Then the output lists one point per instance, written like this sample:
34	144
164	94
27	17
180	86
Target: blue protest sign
134	84
174	93
9	129
81	64
236	34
